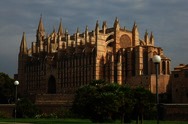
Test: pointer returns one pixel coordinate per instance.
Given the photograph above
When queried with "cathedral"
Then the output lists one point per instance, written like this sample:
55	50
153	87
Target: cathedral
59	63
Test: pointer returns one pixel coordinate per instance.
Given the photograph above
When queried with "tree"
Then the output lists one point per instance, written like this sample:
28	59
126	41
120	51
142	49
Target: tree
144	101
26	109
97	101
126	103
104	102
6	89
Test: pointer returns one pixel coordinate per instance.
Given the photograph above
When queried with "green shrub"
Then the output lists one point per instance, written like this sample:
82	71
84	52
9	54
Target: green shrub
65	113
2	114
45	115
26	109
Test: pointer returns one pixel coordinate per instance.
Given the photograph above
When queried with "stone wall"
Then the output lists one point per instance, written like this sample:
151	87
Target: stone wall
7	110
52	108
175	112
53	98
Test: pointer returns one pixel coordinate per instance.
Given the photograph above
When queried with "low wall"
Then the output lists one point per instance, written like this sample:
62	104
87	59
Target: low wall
7	110
52	108
174	112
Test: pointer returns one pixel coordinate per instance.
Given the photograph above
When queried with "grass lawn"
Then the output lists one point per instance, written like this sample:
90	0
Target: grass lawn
86	121
46	121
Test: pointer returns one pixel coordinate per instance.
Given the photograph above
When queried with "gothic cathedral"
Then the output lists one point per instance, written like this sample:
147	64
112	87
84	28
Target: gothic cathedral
59	63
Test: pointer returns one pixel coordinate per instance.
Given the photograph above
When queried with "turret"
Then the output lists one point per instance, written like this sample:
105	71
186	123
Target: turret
146	38
77	36
54	29
97	27
104	27
135	35
86	34
77	30
23	45
55	35
67	37
116	24
33	46
152	39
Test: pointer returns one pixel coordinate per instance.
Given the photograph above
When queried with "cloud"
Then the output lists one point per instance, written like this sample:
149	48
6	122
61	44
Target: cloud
166	19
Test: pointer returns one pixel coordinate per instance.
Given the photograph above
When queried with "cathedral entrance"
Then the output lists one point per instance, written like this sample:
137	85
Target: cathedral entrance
51	85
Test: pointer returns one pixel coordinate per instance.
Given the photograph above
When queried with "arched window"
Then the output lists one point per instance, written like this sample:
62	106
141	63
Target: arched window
51	85
164	67
168	67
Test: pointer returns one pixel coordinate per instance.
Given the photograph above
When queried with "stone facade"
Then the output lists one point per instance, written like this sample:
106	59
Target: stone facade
179	84
59	63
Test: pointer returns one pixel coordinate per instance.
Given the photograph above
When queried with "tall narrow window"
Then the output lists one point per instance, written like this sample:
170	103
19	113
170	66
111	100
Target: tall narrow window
164	67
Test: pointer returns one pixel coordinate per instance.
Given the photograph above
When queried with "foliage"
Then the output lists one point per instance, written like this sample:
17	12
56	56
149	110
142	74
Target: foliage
61	113
65	113
45	115
6	89
126	100
97	101
26	109
144	101
105	102
2	114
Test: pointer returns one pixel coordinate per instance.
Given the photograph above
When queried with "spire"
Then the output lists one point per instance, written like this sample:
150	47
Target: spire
116	24
146	38
86	28
66	31
66	34
53	29
152	39
86	34
40	26
124	28
23	45
104	24
151	36
40	31
104	27
97	27
77	30
60	30
134	26
86	31
135	35
116	21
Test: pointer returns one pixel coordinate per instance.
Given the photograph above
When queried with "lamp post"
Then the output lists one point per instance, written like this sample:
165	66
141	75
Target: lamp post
16	83
156	60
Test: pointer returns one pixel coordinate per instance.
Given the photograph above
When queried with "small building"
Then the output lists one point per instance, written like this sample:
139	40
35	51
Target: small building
179	84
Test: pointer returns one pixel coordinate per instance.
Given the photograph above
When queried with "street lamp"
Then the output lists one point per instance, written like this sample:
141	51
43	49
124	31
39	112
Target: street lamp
156	60
16	83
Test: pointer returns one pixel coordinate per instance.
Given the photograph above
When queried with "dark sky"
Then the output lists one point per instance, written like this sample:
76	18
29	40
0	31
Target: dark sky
167	19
